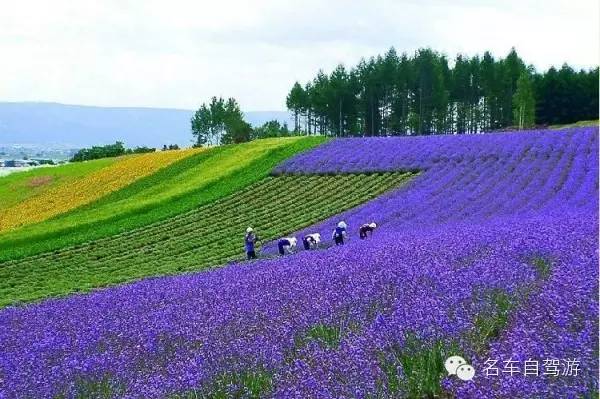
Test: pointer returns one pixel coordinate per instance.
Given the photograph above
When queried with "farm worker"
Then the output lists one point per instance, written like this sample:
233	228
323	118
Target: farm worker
250	240
339	234
311	241
366	228
286	245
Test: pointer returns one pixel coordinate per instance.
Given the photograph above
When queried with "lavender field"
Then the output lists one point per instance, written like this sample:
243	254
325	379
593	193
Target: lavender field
490	253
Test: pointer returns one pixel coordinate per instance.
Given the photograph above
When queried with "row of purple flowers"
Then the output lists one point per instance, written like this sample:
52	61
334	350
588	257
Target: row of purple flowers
470	225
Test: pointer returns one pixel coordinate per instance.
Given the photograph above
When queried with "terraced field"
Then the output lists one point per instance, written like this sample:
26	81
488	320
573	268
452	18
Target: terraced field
490	253
88	188
184	185
19	187
208	236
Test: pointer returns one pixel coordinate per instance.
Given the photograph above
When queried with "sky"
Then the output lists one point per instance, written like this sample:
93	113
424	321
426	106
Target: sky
177	54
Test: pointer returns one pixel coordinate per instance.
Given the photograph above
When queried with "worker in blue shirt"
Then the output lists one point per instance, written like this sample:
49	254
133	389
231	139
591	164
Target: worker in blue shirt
339	234
250	240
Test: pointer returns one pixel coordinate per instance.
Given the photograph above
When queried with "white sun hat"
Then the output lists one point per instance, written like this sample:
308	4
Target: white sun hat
249	230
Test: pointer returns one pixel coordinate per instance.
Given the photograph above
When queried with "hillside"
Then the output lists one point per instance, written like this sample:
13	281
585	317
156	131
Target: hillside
489	252
191	241
89	187
18	187
194	180
47	124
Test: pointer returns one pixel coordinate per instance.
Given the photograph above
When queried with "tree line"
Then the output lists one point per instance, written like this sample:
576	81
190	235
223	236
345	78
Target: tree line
113	150
424	94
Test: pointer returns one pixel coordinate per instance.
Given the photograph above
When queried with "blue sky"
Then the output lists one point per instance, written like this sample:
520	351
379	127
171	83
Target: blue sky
179	53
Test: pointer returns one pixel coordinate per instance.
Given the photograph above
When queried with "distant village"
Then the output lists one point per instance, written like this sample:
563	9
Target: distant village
22	163
16	157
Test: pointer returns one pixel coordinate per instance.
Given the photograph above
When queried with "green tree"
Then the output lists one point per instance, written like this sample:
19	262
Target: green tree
97	152
319	95
201	126
296	102
236	130
107	151
220	122
511	69
271	128
341	102
208	123
489	92
431	91
308	108
422	94
401	101
369	97
524	102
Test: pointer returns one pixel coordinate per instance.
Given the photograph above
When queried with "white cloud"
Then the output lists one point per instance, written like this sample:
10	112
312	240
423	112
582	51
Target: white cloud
179	53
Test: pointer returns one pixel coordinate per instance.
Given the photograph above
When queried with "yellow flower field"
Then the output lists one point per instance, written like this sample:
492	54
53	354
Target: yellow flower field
65	197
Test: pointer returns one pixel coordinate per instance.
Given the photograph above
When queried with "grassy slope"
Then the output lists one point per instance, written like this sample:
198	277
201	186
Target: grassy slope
19	186
576	124
88	188
204	237
185	185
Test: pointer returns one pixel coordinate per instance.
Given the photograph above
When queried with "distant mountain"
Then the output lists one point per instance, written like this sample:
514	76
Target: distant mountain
60	125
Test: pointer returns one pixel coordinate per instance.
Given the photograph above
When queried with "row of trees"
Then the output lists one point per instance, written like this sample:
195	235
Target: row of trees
222	122
107	151
114	150
422	94
566	96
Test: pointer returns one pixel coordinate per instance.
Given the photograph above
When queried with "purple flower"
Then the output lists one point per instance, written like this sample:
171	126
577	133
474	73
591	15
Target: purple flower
472	223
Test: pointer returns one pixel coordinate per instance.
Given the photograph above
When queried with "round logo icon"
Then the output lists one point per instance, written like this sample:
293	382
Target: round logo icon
466	372
453	363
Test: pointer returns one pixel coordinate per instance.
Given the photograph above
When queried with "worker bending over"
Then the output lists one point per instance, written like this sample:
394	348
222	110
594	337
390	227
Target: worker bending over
286	245
311	241
365	229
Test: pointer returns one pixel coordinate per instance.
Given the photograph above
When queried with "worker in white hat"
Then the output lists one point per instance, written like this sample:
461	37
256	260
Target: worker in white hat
311	241
250	240
366	228
339	234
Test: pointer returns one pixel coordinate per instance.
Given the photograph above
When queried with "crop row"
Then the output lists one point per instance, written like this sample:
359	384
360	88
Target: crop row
424	153
491	252
65	197
208	236
387	301
184	185
543	173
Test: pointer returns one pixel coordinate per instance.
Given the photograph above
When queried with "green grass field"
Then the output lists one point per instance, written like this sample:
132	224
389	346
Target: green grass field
207	236
180	187
19	186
